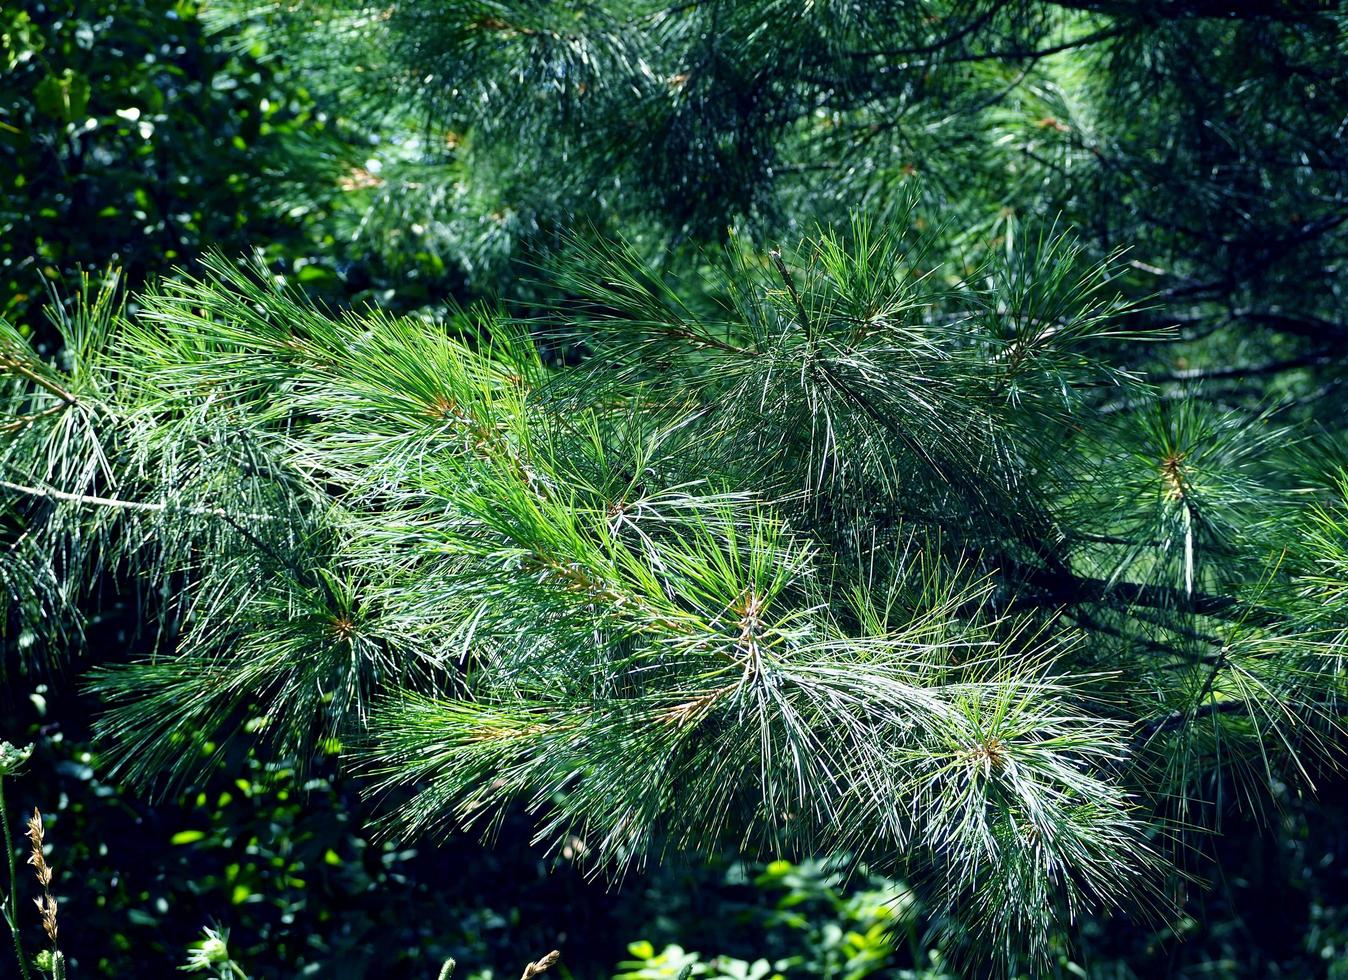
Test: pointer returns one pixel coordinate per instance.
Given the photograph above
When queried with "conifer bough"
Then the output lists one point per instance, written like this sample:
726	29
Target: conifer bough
841	549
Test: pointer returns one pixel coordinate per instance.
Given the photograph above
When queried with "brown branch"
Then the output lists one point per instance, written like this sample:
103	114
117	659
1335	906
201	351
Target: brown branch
1011	54
934	46
21	422
14	365
1291	11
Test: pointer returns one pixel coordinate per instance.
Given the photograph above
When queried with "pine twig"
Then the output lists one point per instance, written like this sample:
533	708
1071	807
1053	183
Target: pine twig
15	366
142	506
21	422
785	273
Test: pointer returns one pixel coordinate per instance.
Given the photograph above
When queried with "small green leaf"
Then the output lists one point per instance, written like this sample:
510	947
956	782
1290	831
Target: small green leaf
64	96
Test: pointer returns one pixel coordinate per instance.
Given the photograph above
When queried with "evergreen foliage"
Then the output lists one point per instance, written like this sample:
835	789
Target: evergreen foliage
792	501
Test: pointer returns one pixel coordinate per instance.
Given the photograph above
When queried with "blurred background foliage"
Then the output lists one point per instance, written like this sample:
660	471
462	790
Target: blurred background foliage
132	136
128	139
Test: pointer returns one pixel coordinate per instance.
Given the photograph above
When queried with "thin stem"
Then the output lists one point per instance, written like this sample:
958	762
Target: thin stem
1319	356
24	421
703	340
12	914
142	506
1014	54
801	315
1176	720
23	371
51	493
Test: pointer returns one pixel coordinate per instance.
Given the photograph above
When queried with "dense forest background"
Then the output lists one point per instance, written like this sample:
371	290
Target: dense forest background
428	158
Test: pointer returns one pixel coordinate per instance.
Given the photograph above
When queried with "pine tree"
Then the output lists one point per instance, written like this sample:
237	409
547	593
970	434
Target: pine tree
916	537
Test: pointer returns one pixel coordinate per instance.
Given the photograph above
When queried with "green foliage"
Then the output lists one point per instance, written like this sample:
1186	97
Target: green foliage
122	120
515	584
814	490
825	930
674	961
286	863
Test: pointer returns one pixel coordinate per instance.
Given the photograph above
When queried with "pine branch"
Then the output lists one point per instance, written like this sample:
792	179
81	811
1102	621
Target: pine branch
1284	10
1015	54
1323	355
141	506
15	366
716	574
1175	720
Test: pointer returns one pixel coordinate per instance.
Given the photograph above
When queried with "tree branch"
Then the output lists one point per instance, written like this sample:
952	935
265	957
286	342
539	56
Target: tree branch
1321	356
785	273
141	506
1061	587
1176	720
1280	10
16	366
